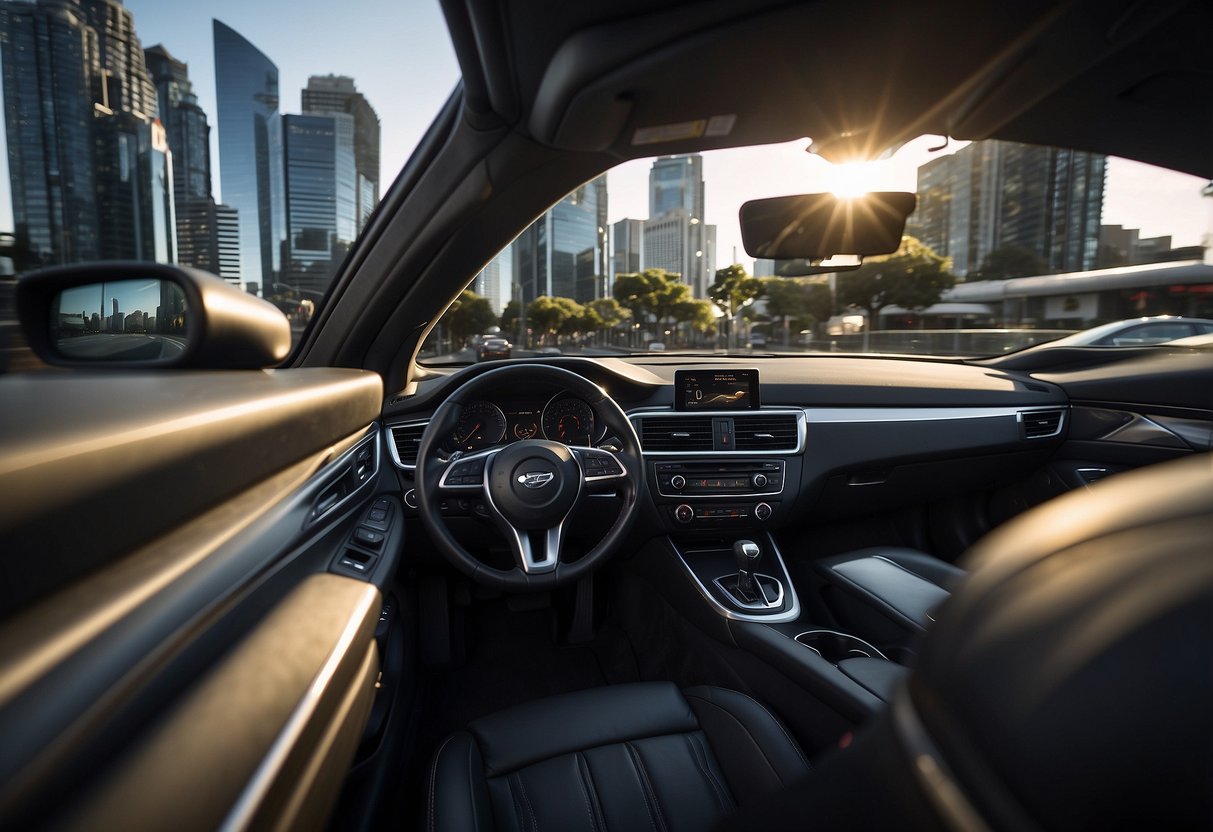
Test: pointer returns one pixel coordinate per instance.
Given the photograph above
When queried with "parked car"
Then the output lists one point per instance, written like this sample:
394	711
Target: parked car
323	583
1137	332
491	349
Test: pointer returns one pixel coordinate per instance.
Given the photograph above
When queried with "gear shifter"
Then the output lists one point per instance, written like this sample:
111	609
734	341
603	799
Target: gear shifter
748	554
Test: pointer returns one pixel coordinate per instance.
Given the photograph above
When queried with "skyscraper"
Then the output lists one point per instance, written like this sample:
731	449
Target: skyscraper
250	151
227	232
563	253
675	236
49	60
327	94
189	140
990	195
488	283
97	183
627	247
320	198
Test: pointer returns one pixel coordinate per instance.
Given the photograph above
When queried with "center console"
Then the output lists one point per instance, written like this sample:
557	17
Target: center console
722	472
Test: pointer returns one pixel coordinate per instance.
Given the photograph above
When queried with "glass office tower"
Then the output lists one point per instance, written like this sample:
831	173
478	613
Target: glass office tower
250	152
320	197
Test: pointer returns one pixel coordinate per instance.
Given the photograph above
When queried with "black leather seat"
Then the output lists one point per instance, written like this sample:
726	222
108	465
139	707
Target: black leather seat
636	756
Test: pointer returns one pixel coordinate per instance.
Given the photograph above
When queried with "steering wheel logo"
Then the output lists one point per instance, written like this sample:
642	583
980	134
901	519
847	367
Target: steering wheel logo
537	479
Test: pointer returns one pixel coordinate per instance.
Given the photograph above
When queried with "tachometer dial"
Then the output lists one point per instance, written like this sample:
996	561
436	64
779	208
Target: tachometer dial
570	421
481	426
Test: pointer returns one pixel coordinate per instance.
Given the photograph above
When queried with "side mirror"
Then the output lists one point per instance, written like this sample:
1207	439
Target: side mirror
142	315
823	227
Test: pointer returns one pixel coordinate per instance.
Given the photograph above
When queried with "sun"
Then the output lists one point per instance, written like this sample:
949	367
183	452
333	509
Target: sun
853	179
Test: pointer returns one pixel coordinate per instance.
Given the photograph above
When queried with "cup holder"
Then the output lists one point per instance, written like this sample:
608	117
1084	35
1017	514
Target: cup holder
836	647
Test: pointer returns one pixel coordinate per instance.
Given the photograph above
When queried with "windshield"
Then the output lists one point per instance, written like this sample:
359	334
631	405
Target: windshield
1010	245
250	140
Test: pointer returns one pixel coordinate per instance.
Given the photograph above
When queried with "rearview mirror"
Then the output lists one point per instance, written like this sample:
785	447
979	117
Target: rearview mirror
147	315
816	227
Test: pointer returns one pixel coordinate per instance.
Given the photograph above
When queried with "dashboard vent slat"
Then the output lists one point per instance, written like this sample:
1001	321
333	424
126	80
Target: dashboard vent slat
765	433
1038	424
407	439
691	433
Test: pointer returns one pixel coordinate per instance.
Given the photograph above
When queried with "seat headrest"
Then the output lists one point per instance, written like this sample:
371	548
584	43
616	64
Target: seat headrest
1068	683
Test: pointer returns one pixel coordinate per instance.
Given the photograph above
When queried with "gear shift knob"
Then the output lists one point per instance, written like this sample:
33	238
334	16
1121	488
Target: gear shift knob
748	554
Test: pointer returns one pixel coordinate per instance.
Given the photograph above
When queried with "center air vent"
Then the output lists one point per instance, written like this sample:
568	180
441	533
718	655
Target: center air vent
1038	424
776	432
686	433
406	439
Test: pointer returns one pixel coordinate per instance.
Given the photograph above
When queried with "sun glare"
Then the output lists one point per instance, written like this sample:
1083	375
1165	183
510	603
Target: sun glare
854	179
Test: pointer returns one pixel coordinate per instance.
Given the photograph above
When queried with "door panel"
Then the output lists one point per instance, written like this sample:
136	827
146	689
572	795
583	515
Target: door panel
206	666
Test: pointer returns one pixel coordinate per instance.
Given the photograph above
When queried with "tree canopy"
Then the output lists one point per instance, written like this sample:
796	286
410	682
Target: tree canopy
913	277
801	302
469	315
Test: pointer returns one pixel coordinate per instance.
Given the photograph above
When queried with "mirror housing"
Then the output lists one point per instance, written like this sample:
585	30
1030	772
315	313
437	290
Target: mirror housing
186	318
816	227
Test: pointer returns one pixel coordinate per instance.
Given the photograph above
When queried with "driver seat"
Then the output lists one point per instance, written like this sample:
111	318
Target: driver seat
633	756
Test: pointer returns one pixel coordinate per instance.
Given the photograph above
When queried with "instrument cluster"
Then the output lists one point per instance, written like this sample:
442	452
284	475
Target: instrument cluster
563	418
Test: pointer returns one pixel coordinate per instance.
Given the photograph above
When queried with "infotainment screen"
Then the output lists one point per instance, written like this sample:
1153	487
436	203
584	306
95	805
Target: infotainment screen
716	390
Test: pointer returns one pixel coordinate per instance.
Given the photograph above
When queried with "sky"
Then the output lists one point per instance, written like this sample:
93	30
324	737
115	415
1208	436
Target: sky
400	58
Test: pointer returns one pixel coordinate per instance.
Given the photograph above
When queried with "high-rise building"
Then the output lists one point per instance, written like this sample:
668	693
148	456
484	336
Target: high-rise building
676	182
990	195
488	283
675	236
320	203
627	247
227	232
564	252
327	94
250	152
99	183
48	59
188	133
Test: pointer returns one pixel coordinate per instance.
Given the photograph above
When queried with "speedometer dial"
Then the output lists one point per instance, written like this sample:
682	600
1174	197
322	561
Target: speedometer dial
481	426
570	421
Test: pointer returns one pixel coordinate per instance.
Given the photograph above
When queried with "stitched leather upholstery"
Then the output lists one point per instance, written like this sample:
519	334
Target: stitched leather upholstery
639	756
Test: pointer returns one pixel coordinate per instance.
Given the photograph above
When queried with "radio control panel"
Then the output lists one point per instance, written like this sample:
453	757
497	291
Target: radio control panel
719	478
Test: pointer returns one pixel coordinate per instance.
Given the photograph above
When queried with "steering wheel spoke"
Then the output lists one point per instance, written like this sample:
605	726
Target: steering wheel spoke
464	473
535	550
601	470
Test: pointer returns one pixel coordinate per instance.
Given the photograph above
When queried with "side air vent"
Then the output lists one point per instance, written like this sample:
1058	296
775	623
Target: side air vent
406	439
690	433
1039	424
776	432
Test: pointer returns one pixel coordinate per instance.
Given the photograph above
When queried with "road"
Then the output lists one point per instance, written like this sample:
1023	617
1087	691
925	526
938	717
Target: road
126	346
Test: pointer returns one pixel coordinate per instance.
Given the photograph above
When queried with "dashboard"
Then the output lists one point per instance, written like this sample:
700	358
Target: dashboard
768	443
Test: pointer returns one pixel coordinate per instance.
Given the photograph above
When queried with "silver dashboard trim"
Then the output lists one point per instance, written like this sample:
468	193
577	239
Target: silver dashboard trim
792	613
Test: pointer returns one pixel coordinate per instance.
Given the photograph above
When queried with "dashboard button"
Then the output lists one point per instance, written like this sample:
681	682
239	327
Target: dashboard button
678	482
684	513
762	512
759	480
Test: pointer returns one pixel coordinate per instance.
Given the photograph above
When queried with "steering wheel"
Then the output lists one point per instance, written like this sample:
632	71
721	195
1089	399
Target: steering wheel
529	488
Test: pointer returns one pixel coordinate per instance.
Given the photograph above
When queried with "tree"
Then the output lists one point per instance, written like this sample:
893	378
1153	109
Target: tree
651	292
698	314
913	277
796	302
731	291
607	313
509	317
1006	262
468	315
549	315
